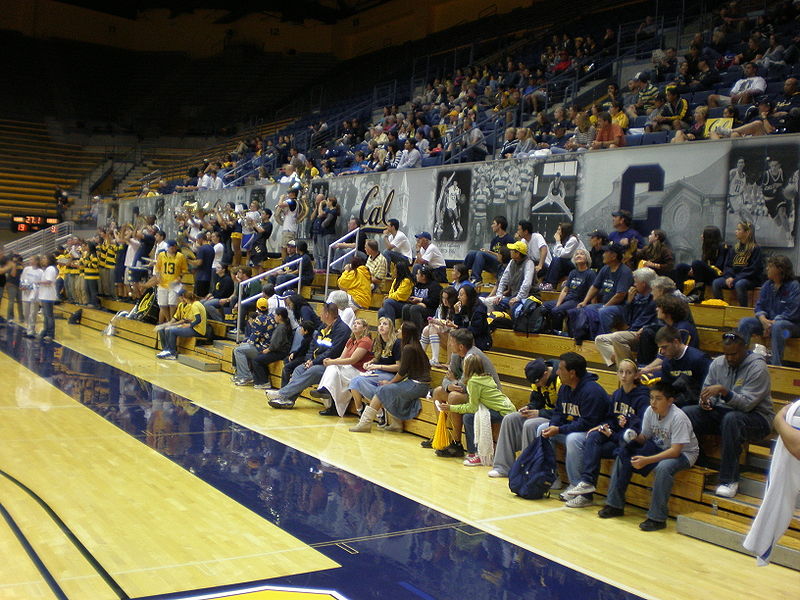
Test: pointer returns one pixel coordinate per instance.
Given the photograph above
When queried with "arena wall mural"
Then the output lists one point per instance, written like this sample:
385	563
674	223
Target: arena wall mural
679	188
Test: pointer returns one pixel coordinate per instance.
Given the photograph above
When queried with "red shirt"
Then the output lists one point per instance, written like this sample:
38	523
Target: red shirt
611	133
351	346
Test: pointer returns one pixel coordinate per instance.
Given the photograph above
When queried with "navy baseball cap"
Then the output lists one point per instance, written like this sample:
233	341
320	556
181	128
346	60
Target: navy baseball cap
424	234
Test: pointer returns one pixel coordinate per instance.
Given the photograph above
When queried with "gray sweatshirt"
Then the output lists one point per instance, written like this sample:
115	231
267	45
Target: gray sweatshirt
749	385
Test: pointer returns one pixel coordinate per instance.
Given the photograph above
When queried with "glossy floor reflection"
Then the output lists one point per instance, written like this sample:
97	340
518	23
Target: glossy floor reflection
389	546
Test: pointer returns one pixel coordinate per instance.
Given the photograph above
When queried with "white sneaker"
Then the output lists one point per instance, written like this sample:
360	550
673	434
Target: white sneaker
579	502
496	473
727	490
273	394
580	489
163	354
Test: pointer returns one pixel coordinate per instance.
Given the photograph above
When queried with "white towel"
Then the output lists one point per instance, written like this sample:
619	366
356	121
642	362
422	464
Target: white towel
483	435
780	499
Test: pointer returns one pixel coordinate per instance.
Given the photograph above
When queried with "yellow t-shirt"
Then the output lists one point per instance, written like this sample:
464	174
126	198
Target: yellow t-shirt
170	268
189	311
620	119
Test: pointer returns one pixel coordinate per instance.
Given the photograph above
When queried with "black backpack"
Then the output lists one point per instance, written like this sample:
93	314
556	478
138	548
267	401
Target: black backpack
529	317
534	471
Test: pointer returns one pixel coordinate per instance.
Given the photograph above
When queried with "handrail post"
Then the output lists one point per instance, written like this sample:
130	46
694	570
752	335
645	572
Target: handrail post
300	277
239	313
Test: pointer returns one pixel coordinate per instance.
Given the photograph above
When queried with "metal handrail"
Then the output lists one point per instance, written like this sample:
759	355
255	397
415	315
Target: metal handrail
260	276
346	236
43	241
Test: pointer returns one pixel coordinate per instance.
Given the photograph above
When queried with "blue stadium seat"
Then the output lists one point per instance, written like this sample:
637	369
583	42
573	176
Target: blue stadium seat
639	121
774	88
633	140
700	97
659	137
433	161
724	91
741	109
715	113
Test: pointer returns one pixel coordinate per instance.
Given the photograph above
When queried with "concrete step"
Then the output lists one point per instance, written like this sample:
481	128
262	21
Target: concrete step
199	363
730	533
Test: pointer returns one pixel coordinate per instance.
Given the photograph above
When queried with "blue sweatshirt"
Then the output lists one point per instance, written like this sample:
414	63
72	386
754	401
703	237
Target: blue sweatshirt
631	405
582	408
329	342
743	265
780	303
639	313
694	364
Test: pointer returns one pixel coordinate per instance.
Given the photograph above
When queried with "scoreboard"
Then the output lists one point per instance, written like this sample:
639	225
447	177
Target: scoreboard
31	223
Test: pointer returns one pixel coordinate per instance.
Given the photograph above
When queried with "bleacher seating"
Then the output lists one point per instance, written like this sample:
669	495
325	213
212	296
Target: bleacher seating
692	496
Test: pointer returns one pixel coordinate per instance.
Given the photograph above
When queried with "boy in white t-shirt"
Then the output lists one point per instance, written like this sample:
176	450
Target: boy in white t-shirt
666	445
397	245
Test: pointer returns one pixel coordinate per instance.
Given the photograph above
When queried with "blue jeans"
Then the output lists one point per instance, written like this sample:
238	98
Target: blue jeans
479	262
392	309
741	286
555	314
782	330
663	478
49	329
169	337
395	257
213	310
590	449
469	428
301	379
559	267
734	427
609	316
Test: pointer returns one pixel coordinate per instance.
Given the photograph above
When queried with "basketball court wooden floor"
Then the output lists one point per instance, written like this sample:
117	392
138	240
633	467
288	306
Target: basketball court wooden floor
129	477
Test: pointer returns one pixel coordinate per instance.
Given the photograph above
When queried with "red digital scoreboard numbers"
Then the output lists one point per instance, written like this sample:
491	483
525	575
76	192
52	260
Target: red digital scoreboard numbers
31	223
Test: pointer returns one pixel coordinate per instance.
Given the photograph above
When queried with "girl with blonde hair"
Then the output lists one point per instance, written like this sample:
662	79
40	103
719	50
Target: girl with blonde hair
481	390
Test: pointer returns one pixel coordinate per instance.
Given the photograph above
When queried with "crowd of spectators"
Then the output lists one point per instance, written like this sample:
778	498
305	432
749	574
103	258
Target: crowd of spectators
622	289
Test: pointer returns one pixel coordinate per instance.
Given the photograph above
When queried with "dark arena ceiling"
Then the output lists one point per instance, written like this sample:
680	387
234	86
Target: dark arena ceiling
296	11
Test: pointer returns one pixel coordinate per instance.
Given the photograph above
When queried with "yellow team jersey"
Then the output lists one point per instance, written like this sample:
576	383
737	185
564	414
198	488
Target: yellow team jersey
189	311
170	268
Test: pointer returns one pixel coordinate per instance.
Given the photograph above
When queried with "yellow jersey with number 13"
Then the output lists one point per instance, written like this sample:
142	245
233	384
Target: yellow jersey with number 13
170	268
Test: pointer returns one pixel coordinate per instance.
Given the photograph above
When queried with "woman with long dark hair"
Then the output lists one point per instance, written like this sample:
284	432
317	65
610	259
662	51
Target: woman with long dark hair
708	267
472	314
400	396
300	310
399	292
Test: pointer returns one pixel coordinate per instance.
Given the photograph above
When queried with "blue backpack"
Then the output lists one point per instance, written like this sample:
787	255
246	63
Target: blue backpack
534	471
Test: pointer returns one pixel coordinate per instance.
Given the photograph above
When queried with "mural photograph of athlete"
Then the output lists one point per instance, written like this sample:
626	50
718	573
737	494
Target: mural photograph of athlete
555	195
447	212
772	191
737	182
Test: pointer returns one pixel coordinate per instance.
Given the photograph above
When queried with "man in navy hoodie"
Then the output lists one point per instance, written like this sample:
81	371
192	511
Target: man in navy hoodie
683	367
581	404
329	342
